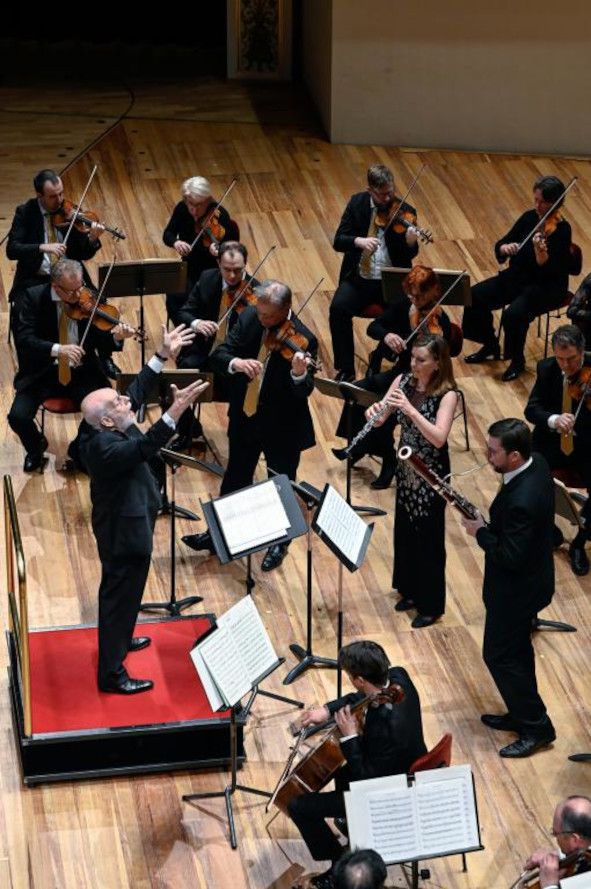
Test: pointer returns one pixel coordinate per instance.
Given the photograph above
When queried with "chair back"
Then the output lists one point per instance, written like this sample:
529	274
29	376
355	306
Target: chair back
575	264
437	758
60	406
373	310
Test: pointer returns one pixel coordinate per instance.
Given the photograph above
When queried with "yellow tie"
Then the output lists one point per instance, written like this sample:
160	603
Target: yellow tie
567	444
64	373
373	232
253	390
225	304
52	238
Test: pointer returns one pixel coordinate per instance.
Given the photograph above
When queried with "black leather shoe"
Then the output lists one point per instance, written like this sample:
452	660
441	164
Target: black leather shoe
578	560
424	620
493	352
512	373
526	745
199	541
34	462
404	605
128	686
500	723
274	556
344	376
139	642
341	454
384	479
110	368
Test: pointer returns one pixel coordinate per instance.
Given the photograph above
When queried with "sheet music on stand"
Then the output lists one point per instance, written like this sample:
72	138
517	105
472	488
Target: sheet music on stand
578	881
234	656
235	514
343	531
436	815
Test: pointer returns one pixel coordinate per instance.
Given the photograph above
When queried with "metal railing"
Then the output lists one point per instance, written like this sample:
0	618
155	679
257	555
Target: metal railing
18	613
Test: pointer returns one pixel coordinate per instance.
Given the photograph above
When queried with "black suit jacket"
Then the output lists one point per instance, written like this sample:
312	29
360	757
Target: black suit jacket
283	411
355	224
523	268
27	233
392	736
123	489
36	333
181	225
518	543
544	400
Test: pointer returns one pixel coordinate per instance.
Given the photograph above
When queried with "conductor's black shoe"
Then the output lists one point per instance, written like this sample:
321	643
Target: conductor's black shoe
424	620
526	745
139	642
578	559
33	462
500	722
324	880
491	351
199	541
512	373
384	479
344	376
274	556
128	686
109	367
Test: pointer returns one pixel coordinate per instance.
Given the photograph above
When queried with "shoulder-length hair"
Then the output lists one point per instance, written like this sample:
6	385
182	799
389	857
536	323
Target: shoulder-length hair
443	378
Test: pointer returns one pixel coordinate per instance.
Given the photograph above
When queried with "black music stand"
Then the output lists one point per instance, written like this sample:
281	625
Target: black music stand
351	395
460	295
580	757
143	277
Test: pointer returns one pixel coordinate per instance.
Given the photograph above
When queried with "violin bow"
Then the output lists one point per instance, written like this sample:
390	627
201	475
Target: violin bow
79	205
212	211
584	393
403	199
244	285
424	320
539	225
98	299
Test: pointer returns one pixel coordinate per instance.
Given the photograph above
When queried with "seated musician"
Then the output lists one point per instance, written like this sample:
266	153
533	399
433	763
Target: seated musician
579	310
423	288
183	227
535	281
551	407
571	826
368	247
388	744
361	869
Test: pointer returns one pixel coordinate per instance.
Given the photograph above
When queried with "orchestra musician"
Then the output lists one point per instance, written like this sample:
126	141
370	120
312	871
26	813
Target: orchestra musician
392	329
368	247
52	363
518	582
269	386
390	741
182	228
424	402
571	826
361	869
579	310
535	282
551	407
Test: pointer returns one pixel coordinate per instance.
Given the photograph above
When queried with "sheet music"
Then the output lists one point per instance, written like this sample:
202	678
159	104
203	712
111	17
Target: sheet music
579	881
249	633
384	820
252	517
447	819
216	702
342	525
222	658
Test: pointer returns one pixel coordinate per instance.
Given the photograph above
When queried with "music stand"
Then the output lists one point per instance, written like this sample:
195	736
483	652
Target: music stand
143	277
351	395
347	536
460	295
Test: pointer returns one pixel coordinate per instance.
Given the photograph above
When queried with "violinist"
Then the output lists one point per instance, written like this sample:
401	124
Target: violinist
184	225
571	826
535	282
423	289
389	742
51	361
564	442
579	310
369	244
268	361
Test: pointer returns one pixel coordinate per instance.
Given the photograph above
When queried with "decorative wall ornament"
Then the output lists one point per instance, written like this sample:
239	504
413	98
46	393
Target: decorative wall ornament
259	39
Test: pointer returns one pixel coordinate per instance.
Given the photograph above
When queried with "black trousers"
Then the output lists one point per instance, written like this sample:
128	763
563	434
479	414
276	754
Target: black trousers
525	302
349	300
509	655
120	595
579	461
248	439
308	813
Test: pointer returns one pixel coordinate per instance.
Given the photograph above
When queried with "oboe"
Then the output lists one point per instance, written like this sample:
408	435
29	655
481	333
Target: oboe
443	488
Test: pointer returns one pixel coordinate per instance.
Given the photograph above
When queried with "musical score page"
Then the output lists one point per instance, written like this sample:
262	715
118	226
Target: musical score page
222	659
252	517
341	524
251	638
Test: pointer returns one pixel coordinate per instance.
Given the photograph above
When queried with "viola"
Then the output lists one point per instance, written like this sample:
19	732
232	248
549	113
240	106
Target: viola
287	341
62	218
103	316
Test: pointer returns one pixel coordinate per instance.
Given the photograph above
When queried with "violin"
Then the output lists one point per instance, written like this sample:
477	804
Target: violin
567	867
103	316
287	341
430	314
62	217
402	221
213	230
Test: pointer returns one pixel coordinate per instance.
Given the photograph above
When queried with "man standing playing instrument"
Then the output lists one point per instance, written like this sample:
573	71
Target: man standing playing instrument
518	582
268	395
551	407
571	826
367	250
535	281
125	499
391	740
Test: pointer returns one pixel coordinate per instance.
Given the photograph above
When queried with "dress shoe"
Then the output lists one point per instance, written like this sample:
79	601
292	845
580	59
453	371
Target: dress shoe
578	559
355	456
139	642
344	376
274	556
512	373
526	745
487	351
128	686
33	462
384	479
199	541
404	605
500	723
109	368
424	620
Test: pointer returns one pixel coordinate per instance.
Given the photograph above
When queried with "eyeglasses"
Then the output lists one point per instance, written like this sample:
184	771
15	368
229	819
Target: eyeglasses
557	833
66	290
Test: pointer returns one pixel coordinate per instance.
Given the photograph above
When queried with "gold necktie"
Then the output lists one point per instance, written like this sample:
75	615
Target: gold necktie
373	232
567	444
64	373
225	304
253	390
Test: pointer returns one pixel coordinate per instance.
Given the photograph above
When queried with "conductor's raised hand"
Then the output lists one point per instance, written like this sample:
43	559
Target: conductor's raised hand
184	398
174	340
